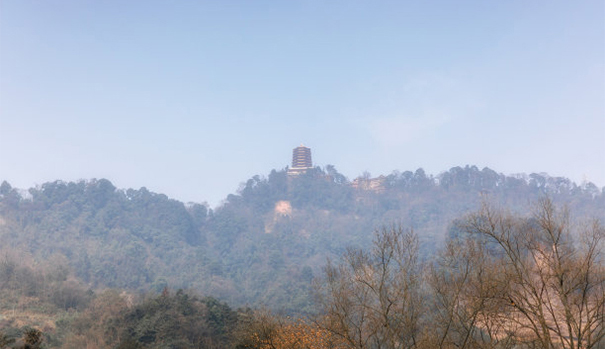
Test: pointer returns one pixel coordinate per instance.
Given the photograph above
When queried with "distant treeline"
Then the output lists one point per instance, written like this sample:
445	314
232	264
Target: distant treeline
245	251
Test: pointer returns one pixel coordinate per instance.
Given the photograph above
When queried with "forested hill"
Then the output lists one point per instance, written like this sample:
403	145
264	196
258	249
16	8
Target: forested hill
265	243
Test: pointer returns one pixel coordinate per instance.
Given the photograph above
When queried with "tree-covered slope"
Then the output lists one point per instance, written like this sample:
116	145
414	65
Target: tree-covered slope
265	243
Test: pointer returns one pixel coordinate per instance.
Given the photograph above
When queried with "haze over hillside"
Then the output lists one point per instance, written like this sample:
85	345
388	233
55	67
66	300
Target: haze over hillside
84	263
151	198
265	243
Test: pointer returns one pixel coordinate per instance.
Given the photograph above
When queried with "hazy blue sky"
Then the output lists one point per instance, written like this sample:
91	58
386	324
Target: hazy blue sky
191	98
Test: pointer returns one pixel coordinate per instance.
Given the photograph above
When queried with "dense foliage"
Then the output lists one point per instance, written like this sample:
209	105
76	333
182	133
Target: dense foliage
500	280
262	245
166	320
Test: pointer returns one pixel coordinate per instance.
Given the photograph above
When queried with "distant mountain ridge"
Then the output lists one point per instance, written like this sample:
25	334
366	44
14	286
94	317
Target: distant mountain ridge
266	242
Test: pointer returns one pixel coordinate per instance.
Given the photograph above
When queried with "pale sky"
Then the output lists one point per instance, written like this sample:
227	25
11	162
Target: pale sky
191	98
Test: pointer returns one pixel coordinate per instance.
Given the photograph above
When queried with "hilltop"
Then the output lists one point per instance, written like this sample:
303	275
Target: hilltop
266	242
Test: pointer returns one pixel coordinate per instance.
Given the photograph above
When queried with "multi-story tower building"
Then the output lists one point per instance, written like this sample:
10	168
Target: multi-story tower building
301	160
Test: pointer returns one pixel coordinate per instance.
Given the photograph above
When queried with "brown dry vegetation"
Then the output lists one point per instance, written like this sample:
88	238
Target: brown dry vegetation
503	281
500	281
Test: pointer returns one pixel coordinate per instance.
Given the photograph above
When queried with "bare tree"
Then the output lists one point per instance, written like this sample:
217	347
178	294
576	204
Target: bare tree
466	288
372	299
506	282
554	273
